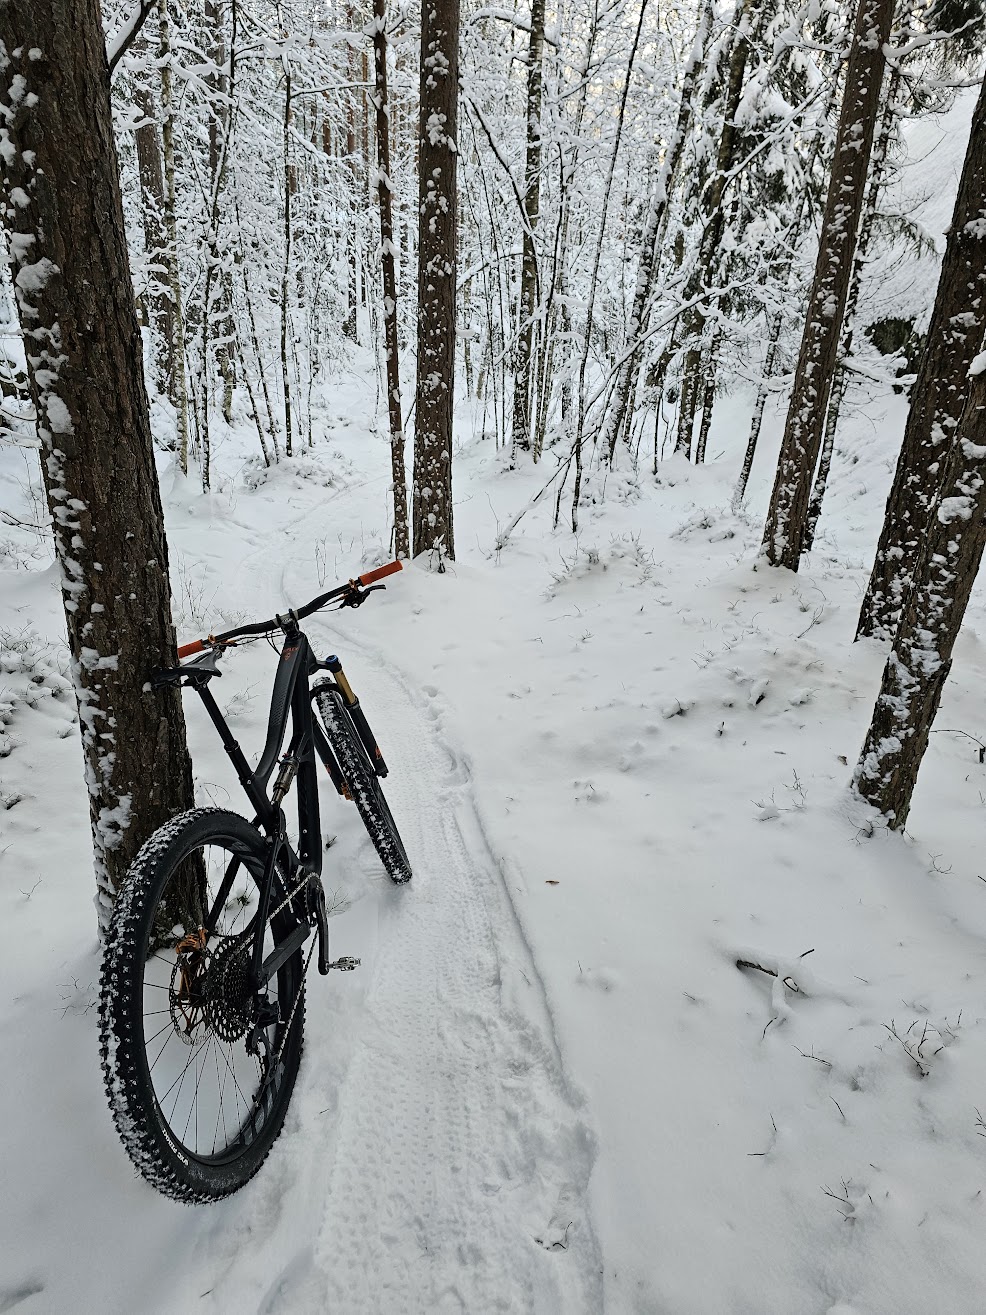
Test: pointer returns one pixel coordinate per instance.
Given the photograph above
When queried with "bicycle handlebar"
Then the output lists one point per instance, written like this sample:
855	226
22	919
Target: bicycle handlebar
262	627
380	572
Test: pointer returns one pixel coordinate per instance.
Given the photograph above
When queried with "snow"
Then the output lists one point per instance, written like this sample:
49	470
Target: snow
621	763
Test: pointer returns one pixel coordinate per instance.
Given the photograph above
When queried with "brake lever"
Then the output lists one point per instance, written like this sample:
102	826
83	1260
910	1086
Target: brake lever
358	594
196	672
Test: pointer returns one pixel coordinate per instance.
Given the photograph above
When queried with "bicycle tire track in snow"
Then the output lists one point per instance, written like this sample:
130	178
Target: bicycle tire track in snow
461	1158
457	1172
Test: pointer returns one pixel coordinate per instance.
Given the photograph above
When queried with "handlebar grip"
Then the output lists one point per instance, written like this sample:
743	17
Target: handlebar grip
380	572
186	650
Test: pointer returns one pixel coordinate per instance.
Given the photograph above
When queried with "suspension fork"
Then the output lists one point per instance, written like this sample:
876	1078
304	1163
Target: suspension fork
357	716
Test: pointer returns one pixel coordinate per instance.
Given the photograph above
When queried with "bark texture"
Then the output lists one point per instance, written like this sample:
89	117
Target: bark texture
179	376
151	172
437	213
402	547
954	335
788	513
919	662
532	210
61	196
837	396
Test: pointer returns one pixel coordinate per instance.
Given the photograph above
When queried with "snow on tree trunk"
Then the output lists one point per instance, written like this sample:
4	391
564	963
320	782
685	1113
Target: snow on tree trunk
919	662
217	309
787	516
437	214
954	334
837	397
402	547
151	171
286	268
521	431
756	423
650	244
76	305
178	390
708	264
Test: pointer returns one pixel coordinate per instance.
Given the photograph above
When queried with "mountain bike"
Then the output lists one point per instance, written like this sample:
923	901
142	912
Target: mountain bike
202	991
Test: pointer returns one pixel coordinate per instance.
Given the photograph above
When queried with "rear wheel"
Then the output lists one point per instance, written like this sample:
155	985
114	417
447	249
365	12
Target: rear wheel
362	782
198	1067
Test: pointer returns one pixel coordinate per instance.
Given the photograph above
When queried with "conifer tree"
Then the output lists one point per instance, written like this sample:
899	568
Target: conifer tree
921	658
788	514
75	300
437	252
954	334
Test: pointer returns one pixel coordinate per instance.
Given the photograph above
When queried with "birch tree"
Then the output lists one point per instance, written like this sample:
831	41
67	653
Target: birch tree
75	301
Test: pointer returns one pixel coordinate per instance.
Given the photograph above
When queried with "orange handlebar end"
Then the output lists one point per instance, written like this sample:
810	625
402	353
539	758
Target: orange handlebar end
380	572
186	650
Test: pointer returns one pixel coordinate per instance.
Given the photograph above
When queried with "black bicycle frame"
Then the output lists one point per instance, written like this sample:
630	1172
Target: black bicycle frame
291	698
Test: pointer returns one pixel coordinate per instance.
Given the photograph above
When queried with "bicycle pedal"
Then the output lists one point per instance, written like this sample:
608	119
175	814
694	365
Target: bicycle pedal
346	964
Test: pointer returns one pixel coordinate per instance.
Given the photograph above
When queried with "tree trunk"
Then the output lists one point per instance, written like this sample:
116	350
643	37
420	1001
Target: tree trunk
151	171
708	400
218	308
402	547
650	242
350	326
532	206
841	381
954	334
76	305
597	258
919	663
179	388
756	423
714	211
787	516
286	271
793	238
825	459
437	253
691	370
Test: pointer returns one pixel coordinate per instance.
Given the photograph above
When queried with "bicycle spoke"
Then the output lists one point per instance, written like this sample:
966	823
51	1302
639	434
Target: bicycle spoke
169	1023
179	1078
195	1097
161	1051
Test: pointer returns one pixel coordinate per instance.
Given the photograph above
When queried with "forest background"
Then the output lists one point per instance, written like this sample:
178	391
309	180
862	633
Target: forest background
632	223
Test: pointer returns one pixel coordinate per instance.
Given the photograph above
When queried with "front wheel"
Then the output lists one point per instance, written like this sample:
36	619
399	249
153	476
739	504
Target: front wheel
362	782
199	1067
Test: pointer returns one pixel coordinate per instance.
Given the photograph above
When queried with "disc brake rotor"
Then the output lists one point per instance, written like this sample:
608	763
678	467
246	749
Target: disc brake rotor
185	992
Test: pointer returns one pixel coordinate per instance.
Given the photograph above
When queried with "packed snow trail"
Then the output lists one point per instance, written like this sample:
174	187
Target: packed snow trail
462	1163
459	1161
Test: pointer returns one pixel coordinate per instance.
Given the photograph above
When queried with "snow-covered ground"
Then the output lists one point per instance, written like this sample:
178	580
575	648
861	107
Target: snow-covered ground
620	762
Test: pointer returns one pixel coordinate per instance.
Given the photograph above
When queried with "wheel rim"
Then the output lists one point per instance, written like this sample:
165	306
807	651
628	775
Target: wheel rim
213	1095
